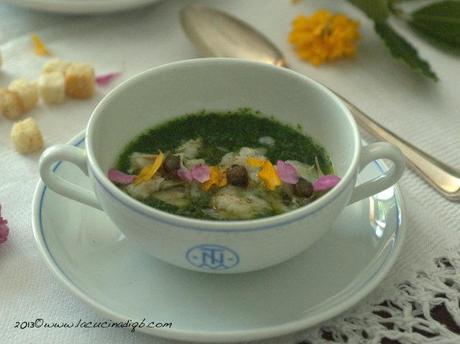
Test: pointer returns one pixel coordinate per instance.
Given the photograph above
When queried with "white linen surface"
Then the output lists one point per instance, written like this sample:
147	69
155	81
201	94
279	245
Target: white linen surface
424	112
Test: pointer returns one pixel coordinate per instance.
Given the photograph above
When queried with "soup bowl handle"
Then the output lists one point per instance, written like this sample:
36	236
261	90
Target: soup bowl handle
372	152
74	155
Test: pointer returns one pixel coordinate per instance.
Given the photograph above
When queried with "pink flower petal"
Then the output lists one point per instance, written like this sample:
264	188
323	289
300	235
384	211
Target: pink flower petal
119	177
201	173
185	174
287	173
4	230
105	79
325	183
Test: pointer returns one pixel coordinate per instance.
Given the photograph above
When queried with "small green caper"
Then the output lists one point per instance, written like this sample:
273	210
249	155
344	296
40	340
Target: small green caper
303	188
237	175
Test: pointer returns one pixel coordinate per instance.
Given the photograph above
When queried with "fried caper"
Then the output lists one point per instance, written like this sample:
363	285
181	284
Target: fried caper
303	188
171	163
237	175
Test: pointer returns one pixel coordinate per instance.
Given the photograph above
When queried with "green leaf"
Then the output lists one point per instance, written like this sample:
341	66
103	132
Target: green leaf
440	20
402	49
377	10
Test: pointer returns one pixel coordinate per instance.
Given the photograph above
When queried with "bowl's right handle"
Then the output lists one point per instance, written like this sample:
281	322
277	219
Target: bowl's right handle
56	183
375	151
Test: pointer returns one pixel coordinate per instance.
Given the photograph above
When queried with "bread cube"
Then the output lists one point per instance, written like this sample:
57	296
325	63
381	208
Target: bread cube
27	92
51	87
10	104
79	80
26	136
55	65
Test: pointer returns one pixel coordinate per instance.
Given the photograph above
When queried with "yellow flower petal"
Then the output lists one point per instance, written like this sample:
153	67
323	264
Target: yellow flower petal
223	180
254	162
217	177
149	171
39	46
269	176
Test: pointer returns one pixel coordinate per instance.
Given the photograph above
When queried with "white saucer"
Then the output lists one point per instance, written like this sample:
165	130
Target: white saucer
92	258
80	6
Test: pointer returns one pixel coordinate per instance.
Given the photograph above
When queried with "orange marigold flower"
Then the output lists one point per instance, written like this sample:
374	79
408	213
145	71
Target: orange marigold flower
217	177
324	36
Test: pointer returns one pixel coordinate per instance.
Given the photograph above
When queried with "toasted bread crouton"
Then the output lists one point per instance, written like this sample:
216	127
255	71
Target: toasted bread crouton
26	136
55	65
11	104
51	87
79	80
27	92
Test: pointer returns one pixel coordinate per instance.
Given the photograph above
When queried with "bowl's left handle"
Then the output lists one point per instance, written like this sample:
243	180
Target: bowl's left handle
56	183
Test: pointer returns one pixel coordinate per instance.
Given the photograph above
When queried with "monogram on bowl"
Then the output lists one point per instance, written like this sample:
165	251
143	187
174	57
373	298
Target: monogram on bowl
225	189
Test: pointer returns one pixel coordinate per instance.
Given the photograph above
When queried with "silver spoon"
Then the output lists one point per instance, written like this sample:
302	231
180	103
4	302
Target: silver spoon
216	33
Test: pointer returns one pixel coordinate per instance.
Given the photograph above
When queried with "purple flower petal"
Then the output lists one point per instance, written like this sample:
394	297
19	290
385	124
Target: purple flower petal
105	79
119	177
4	230
287	173
325	183
201	173
185	174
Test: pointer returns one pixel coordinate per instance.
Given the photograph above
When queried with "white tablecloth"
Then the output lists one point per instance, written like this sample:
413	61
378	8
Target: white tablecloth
423	112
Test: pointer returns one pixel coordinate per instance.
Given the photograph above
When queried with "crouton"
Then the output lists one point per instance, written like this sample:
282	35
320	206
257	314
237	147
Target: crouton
55	65
26	136
79	81
51	87
11	104
27	92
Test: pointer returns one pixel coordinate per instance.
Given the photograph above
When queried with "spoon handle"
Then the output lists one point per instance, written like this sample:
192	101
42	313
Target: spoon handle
441	176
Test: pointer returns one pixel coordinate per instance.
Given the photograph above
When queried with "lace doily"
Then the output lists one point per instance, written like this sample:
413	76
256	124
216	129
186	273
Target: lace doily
423	310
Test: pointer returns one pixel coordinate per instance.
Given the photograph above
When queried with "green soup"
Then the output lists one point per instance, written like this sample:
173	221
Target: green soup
224	166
